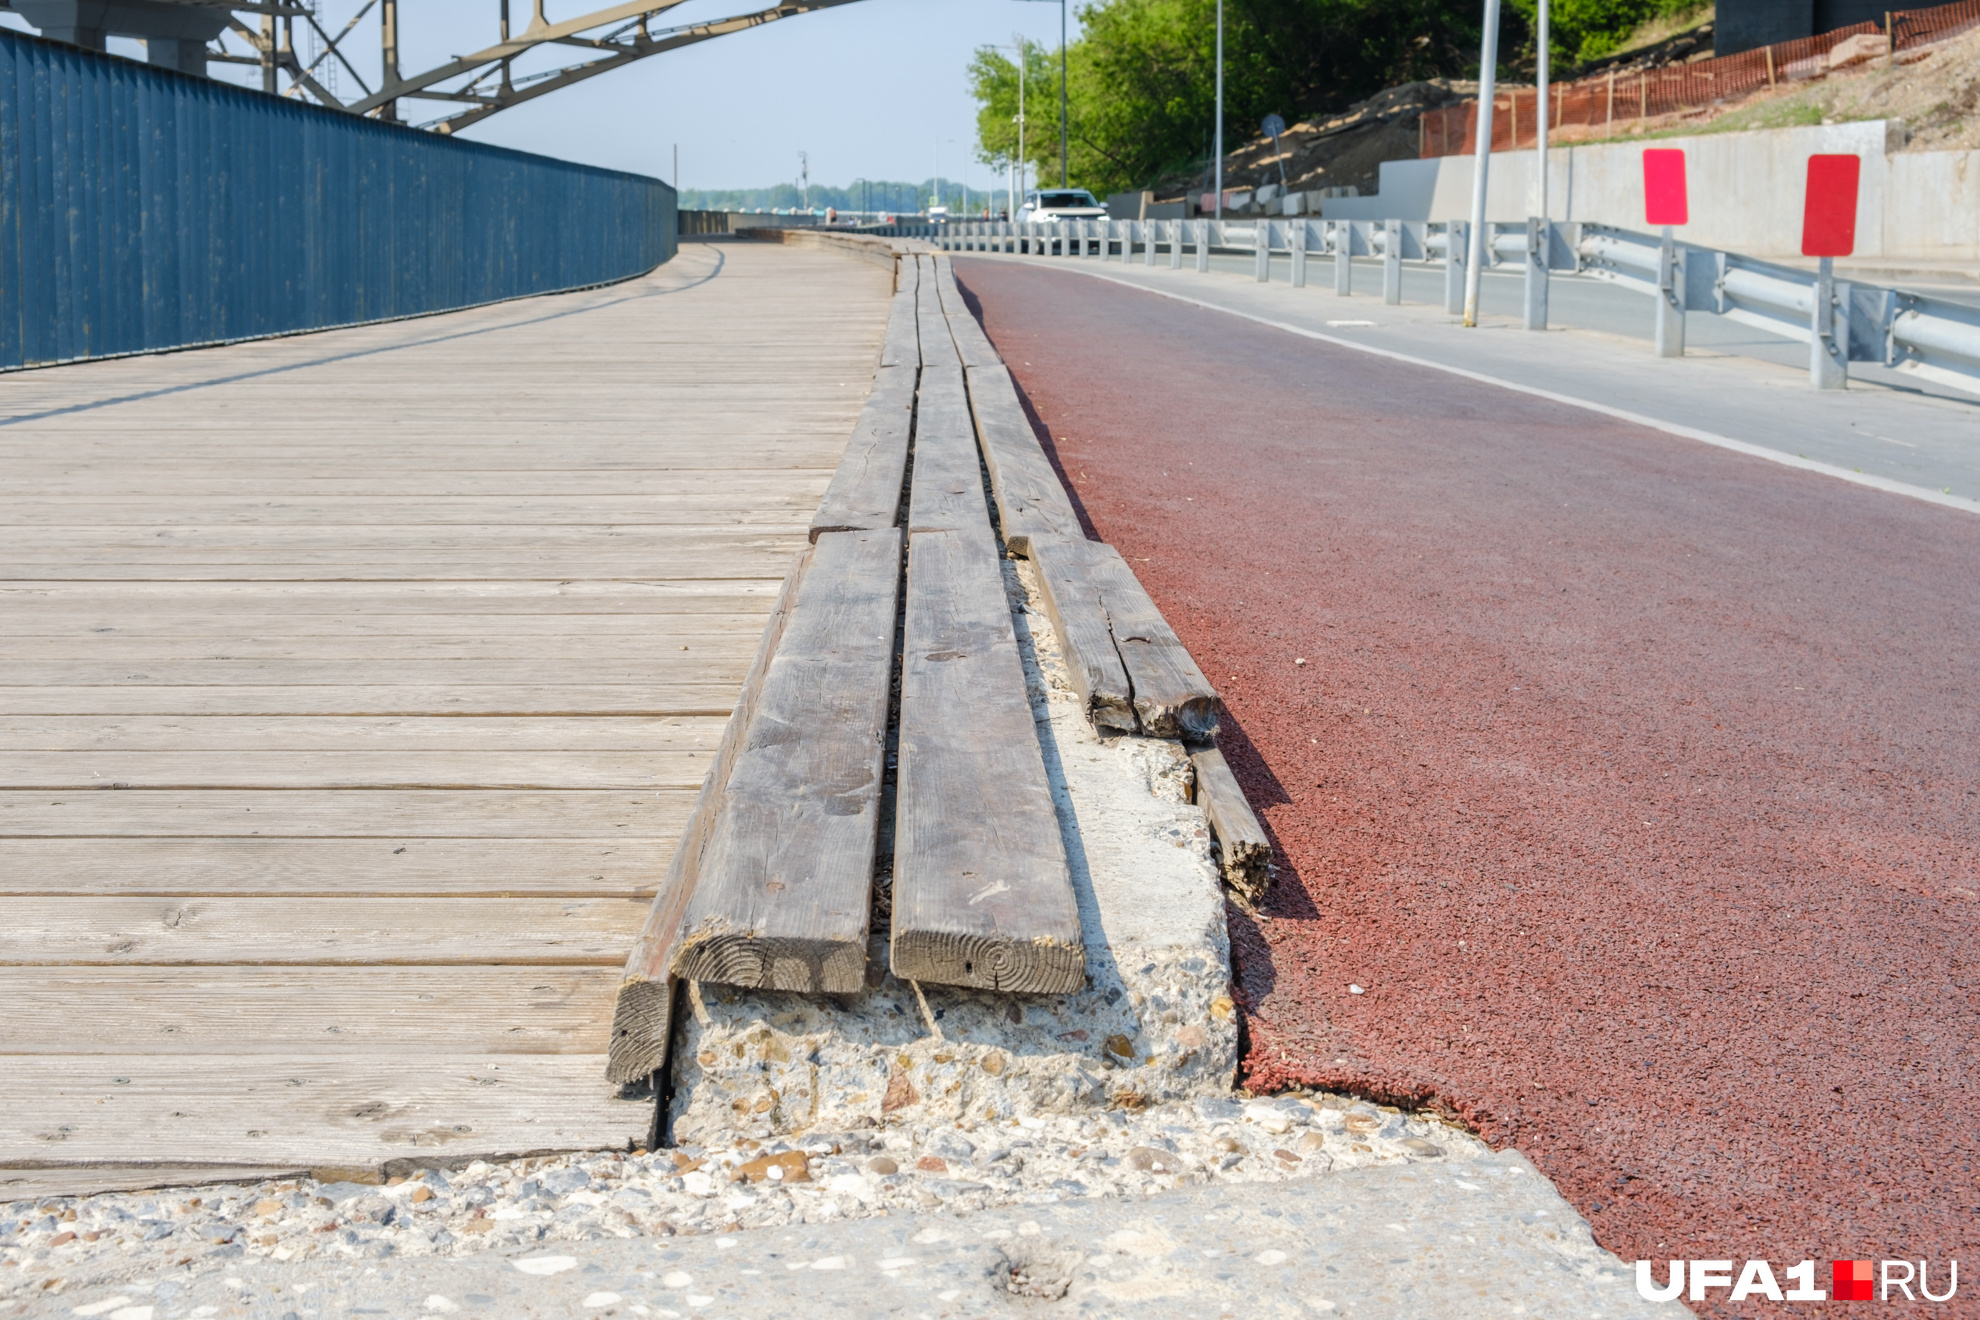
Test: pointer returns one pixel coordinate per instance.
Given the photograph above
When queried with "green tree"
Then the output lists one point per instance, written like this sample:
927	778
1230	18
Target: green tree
1142	78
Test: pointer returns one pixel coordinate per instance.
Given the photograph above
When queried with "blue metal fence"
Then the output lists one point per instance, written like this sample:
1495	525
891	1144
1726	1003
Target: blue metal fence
142	209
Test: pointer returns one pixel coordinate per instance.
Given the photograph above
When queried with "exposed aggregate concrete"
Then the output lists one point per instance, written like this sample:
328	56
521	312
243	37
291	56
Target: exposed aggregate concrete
56	1245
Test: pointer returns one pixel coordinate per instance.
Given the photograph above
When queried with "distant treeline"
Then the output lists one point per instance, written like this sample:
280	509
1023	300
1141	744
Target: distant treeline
861	195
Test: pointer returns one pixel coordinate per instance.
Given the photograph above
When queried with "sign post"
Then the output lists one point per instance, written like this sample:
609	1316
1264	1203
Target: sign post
1665	204
1828	231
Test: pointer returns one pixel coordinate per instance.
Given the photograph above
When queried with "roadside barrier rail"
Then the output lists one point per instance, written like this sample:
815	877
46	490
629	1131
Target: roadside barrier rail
1841	321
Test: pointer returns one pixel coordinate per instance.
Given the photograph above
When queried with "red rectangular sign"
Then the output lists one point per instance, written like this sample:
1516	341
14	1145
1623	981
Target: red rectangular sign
1664	200
1828	217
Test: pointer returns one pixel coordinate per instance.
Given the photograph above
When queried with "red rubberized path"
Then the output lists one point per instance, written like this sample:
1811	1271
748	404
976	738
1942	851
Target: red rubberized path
1634	780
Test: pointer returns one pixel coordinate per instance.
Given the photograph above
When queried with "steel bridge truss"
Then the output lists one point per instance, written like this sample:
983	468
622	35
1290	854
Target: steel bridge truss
480	84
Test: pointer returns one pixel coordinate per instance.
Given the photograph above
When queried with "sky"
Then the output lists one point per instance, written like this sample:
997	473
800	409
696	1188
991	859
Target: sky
873	89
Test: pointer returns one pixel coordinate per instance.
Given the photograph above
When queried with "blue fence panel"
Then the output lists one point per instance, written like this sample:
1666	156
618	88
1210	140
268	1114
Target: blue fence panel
142	209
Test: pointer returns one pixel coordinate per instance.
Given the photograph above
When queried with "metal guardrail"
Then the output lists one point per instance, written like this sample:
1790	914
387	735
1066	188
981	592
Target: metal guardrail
1841	321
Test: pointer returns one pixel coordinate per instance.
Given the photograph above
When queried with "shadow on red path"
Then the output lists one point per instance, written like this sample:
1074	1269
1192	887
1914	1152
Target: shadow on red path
1634	780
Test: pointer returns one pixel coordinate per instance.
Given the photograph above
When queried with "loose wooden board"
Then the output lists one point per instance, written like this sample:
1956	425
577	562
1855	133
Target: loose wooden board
1244	850
785	888
972	345
332	1114
866	490
1072	601
33	1184
982	894
290	1010
643	1009
947	492
938	348
1031	500
902	346
1097	605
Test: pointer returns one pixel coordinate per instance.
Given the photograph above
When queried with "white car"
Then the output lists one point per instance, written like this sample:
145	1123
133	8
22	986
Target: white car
1048	205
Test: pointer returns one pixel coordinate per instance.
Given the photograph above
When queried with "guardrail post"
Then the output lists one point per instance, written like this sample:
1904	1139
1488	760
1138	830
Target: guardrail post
1261	247
1202	245
1296	244
1176	242
1151	239
1457	243
1828	337
1539	249
1392	262
1343	258
1670	298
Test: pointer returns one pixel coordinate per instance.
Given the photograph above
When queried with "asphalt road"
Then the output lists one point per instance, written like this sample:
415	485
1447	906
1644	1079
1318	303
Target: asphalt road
1635	782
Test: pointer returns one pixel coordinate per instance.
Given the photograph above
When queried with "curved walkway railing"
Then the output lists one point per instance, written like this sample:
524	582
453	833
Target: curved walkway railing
142	209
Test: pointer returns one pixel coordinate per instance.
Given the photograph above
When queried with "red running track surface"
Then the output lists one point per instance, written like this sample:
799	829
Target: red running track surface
1634	780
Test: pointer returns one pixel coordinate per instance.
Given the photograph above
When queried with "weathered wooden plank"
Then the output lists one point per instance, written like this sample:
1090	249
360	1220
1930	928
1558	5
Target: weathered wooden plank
332	1114
1245	851
345	813
1170	695
291	768
402	865
1031	500
122	931
710	696
982	894
660	648
972	345
25	600
350	565
630	733
866	490
785	888
902	346
33	1184
938	347
321	1010
1086	642
643	1009
947	492
417	671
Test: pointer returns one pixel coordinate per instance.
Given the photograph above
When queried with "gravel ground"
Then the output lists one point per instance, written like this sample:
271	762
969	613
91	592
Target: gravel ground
54	1246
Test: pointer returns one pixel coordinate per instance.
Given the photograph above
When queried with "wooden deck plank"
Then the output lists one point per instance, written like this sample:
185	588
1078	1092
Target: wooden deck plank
320	932
425	631
406	865
290	1010
938	348
786	883
947	492
332	1114
345	813
902	346
1072	601
982	894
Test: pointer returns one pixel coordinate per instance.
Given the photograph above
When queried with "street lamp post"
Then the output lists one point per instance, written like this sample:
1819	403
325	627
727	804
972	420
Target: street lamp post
1488	64
1063	180
1217	138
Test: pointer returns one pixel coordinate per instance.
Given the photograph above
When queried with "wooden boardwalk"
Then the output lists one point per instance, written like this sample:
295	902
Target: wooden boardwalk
353	690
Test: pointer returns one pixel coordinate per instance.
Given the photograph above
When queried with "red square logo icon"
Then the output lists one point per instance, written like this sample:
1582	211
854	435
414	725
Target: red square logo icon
1850	1280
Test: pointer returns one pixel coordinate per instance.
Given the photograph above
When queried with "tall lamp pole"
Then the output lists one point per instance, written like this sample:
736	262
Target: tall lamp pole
1217	134
1488	64
1062	94
1541	146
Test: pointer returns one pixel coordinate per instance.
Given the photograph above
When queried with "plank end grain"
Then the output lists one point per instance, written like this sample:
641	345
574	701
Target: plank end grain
982	893
638	1047
784	897
1243	849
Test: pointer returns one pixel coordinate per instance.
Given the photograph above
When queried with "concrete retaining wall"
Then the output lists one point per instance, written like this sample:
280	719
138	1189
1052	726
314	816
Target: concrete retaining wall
1746	190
